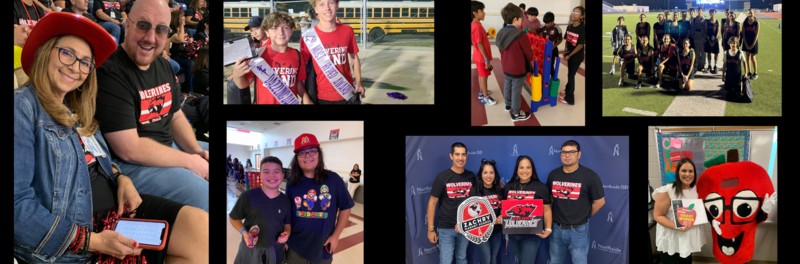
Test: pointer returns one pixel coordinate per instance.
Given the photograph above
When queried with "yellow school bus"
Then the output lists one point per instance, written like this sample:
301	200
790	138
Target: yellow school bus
382	17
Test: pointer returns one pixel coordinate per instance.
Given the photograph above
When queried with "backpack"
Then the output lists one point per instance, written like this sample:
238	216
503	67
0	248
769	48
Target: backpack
748	91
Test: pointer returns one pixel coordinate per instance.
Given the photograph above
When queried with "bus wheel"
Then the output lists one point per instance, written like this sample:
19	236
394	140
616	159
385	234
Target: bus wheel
376	35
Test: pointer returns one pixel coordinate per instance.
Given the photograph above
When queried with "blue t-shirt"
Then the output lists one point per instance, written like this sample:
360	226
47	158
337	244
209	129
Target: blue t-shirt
256	208
314	211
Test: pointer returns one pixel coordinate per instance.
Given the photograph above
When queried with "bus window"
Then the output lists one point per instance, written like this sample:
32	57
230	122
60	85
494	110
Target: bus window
405	11
378	12
227	12
430	12
263	11
340	12
369	11
414	12
387	12
358	12
348	12
235	12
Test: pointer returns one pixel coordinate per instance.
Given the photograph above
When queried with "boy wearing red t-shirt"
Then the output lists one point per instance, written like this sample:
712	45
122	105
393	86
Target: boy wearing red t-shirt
482	54
286	62
339	41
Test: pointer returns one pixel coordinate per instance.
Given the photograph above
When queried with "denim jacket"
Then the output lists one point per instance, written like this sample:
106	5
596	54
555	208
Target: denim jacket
52	190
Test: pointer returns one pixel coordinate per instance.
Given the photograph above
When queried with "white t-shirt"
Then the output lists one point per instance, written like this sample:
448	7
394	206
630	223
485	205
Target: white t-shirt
741	55
672	241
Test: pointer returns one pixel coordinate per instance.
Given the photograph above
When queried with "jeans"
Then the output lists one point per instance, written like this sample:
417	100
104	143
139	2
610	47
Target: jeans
525	246
112	29
174	183
490	248
449	241
575	240
512	87
191	31
175	67
187	65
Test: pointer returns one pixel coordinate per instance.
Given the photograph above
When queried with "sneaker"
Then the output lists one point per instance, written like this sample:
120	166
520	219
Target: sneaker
749	76
714	71
521	116
508	108
638	86
480	96
611	72
561	93
658	85
621	83
561	99
488	101
755	76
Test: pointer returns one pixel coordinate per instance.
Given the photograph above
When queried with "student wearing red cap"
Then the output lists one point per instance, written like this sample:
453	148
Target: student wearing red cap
319	198
60	150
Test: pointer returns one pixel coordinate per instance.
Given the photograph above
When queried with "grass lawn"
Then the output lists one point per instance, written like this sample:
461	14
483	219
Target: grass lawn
767	89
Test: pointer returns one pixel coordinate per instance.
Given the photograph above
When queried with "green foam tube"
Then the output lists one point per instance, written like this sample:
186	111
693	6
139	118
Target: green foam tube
554	87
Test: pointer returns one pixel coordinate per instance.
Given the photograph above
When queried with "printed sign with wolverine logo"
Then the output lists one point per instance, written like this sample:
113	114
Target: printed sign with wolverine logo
475	219
524	217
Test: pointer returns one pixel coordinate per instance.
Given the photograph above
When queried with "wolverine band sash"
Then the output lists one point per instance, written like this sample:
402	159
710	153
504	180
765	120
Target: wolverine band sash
273	83
339	82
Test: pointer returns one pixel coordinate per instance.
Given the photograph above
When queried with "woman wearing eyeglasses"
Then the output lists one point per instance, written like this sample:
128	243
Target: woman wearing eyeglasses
65	185
677	244
489	186
525	185
319	198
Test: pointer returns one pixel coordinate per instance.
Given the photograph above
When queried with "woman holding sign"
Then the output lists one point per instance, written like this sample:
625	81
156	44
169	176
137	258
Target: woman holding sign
676	244
491	188
525	185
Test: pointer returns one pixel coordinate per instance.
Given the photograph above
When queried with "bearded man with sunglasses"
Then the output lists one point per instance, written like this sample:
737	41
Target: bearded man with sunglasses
138	108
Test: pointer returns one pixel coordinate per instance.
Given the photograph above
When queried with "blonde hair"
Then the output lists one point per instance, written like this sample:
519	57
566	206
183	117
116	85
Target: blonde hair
314	3
733	41
82	101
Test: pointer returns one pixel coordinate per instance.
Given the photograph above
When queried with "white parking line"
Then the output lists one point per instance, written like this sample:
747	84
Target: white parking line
637	111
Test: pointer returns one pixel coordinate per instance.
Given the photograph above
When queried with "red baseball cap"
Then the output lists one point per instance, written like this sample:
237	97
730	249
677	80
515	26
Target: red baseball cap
61	23
305	140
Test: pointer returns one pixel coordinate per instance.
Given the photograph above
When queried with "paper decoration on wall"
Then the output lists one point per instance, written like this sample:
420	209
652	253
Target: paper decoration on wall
702	146
334	134
288	141
475	219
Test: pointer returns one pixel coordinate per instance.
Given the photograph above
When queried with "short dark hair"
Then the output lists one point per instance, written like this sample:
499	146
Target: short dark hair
691	9
522	5
533	11
270	159
477	5
548	17
620	18
571	143
457	145
510	12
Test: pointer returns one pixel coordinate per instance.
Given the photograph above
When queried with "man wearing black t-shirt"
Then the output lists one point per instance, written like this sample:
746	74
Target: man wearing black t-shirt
452	187
577	194
79	7
138	108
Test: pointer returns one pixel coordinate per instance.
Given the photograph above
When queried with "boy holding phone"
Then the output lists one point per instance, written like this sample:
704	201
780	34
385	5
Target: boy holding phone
268	208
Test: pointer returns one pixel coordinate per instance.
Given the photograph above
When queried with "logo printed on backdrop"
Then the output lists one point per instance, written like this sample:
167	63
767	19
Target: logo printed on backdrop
593	245
420	190
608	249
554	150
419	154
616	151
426	250
515	151
420	251
610	219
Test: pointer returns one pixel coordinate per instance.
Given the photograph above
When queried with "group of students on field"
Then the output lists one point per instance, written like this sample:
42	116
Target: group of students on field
516	53
679	47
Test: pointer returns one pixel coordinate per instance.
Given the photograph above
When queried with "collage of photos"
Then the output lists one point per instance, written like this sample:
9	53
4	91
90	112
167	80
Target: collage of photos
111	134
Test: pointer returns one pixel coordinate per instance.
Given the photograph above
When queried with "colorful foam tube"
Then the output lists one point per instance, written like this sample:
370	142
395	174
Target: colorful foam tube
554	87
491	32
536	83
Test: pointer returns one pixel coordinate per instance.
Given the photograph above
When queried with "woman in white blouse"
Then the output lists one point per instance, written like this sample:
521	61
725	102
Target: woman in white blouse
677	245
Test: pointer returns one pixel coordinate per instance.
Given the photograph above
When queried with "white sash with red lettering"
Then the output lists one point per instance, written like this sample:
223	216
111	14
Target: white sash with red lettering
273	83
340	84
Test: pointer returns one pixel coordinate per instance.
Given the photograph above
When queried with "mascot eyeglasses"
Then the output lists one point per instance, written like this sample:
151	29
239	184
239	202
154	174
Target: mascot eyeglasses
743	206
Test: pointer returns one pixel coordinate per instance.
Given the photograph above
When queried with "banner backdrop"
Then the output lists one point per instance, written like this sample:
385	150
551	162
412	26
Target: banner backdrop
427	156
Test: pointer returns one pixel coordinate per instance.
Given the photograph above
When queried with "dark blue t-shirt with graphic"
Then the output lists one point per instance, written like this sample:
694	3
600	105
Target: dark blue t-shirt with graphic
314	212
256	208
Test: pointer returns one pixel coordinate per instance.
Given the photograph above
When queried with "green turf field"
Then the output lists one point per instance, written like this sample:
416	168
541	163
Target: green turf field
766	102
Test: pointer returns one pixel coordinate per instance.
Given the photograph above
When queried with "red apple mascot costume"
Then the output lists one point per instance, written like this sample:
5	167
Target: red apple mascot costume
737	197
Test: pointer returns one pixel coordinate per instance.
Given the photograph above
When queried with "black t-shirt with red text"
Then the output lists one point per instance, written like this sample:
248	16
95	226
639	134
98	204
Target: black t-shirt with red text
494	198
573	194
112	9
26	14
195	16
131	98
575	36
451	188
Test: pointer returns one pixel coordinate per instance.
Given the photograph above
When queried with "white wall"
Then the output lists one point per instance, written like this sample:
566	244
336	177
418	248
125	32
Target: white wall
239	151
340	154
766	234
560	9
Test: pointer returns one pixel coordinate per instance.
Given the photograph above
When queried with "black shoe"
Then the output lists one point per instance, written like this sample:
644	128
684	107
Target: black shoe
521	116
638	86
714	71
755	76
508	108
